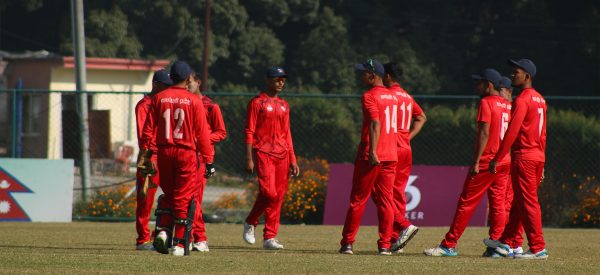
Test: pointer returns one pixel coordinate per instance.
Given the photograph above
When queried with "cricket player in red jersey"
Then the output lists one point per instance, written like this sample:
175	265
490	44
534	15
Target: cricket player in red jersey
526	135
269	152
506	92
217	133
147	184
375	164
492	119
408	109
177	123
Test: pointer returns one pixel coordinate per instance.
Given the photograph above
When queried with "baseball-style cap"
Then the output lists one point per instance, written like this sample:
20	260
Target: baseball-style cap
275	71
525	64
371	65
490	75
505	82
180	71
162	76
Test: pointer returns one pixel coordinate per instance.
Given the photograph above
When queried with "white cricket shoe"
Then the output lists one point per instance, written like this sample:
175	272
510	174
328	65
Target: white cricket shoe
178	251
441	251
200	246
542	255
518	250
160	242
249	233
406	235
272	244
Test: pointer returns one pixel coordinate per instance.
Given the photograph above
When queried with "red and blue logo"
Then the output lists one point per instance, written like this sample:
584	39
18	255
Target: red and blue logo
10	210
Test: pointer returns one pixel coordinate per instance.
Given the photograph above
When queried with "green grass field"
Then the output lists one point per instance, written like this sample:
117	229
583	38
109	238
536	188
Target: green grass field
83	247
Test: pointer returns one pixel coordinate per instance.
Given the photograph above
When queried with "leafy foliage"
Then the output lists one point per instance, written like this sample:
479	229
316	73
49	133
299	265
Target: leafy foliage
438	44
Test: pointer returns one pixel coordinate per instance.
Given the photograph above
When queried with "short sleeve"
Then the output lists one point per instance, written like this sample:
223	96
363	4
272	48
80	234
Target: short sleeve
485	112
370	106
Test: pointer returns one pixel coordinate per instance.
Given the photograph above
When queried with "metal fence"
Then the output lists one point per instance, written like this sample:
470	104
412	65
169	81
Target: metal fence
43	124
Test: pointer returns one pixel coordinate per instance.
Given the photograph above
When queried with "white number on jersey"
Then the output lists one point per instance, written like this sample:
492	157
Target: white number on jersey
406	116
503	125
541	113
393	121
179	115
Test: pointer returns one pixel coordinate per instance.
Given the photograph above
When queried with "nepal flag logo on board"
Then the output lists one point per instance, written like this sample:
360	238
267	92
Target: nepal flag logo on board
10	210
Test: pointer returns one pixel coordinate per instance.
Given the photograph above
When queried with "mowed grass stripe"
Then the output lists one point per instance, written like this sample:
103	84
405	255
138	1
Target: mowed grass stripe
109	248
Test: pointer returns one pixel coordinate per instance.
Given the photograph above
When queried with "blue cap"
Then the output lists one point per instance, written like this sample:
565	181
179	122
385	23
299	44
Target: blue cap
505	82
490	75
525	64
371	65
180	71
275	71
162	76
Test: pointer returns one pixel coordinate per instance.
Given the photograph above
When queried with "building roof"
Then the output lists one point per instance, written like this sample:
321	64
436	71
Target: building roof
118	63
91	62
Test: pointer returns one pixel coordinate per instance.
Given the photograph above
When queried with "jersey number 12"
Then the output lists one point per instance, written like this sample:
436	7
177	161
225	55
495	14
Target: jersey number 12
179	116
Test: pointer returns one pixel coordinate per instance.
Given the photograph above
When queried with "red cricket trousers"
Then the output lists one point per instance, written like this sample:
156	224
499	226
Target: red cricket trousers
509	199
273	173
403	167
367	179
473	190
178	168
199	231
143	208
526	176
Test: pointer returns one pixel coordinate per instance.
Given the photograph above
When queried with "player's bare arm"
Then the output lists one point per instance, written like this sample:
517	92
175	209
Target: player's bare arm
483	134
249	160
374	132
418	123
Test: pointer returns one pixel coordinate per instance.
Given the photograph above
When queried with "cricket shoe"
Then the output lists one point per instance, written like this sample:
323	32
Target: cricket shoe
249	233
178	251
504	250
145	246
406	235
541	255
346	249
200	246
384	251
272	244
161	242
515	251
491	253
440	251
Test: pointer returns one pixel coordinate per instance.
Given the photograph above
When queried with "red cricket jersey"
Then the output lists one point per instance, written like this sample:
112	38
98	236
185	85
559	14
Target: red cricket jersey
177	118
407	109
495	111
215	122
380	104
142	109
268	126
527	128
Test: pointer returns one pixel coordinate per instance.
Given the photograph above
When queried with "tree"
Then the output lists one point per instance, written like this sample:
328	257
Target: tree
108	34
324	58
